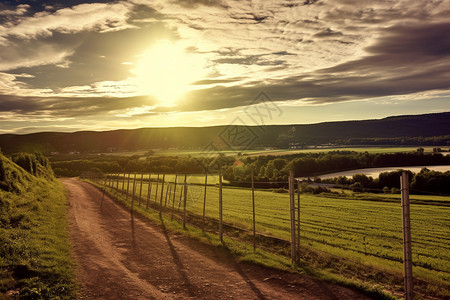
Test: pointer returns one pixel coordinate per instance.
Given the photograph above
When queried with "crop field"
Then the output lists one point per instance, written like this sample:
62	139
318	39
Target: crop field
369	232
255	152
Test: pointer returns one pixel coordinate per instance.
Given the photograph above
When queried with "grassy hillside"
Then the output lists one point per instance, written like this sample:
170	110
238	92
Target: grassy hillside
406	129
34	249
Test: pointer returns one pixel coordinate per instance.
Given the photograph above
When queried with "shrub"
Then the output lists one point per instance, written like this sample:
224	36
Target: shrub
357	187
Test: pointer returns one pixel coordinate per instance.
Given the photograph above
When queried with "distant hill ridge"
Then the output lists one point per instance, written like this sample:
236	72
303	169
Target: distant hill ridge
407	126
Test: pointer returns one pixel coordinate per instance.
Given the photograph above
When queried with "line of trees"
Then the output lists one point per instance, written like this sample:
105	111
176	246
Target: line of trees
276	168
162	164
423	182
414	141
272	171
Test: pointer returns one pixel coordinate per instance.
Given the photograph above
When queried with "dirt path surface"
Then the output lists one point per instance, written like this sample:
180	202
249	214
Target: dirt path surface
124	257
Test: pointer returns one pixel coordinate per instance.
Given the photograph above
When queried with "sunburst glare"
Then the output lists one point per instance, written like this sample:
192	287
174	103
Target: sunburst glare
166	71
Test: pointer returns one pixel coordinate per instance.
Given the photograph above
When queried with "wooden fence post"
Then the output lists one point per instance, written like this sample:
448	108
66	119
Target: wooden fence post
161	197
253	207
204	202
167	193
133	195
128	185
292	213
140	188
181	197
117	184
149	189
156	190
123	183
184	201
407	253
220	207
174	195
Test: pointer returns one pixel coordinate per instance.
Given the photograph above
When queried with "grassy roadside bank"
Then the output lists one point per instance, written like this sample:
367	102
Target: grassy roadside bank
35	261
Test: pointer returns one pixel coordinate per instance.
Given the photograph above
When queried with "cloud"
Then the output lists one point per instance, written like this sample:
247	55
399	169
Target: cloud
20	10
406	59
30	54
196	3
69	107
95	16
10	85
90	56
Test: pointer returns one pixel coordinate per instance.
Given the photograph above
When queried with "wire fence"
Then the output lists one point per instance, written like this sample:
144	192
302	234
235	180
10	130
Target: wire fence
370	231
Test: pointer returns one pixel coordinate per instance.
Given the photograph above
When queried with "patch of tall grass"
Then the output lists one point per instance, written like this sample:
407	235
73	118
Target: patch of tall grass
35	260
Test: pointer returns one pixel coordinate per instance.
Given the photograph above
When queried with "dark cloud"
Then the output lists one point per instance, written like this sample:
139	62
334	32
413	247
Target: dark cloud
69	106
415	40
405	60
256	60
48	5
196	3
216	81
250	17
405	50
310	2
327	33
234	56
282	53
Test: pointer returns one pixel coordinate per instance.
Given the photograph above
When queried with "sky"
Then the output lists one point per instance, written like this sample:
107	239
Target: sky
102	65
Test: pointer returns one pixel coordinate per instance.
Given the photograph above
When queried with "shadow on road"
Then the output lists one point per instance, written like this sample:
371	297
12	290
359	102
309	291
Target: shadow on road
180	267
244	276
133	234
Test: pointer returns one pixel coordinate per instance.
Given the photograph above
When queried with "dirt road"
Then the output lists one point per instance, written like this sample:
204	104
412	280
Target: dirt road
124	257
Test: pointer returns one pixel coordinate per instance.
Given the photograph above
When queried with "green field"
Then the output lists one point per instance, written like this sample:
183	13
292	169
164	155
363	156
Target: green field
253	152
369	232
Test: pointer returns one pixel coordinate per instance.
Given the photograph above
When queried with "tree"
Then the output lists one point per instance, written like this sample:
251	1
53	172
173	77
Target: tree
357	187
363	179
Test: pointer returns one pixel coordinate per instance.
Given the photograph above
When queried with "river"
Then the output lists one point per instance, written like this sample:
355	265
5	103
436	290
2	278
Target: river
374	172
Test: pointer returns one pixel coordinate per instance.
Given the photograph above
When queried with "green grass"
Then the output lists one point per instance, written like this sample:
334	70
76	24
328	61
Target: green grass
370	149
251	152
350	227
35	261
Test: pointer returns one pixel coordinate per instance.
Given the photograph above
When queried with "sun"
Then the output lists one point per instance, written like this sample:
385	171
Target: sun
166	71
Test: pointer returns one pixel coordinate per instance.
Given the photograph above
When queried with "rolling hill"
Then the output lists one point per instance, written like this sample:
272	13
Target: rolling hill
388	130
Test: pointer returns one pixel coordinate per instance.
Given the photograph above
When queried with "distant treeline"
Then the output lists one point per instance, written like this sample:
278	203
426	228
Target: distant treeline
161	164
424	182
414	141
276	169
269	171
